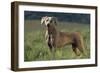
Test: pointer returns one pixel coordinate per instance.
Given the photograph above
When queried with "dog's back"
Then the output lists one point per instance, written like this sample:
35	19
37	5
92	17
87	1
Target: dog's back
65	38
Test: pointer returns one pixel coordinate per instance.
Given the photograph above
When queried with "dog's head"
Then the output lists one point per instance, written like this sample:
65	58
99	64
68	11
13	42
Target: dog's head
49	20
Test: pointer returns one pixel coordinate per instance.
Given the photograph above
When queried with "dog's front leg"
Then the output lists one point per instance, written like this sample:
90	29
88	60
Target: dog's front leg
51	46
46	36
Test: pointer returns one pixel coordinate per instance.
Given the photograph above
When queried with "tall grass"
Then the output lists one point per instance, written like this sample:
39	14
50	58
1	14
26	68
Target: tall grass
36	49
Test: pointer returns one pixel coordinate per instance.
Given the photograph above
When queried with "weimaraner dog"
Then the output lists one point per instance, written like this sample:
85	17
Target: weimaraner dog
56	39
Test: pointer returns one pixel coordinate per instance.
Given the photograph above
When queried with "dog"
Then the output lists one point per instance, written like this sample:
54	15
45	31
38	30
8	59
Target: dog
57	39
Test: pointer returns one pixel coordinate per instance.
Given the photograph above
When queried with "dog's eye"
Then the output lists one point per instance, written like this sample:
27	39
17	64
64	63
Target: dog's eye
47	20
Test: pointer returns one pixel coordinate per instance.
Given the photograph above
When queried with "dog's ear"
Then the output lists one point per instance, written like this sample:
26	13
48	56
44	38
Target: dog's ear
55	20
42	20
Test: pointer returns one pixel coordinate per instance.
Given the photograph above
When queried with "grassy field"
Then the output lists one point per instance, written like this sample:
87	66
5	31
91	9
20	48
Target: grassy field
36	49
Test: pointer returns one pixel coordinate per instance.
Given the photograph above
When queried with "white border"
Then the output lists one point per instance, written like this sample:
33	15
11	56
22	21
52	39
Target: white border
33	64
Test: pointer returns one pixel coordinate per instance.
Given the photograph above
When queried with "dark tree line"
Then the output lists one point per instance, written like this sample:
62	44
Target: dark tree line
68	17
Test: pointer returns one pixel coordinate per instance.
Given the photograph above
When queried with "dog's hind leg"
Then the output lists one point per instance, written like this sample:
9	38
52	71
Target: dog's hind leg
81	49
74	47
80	45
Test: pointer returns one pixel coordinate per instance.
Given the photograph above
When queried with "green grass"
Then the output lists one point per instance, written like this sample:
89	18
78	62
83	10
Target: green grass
36	49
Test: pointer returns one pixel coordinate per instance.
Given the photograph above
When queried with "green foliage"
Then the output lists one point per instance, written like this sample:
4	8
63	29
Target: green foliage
36	49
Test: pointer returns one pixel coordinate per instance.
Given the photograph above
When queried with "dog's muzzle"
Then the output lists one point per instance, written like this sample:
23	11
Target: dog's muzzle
48	25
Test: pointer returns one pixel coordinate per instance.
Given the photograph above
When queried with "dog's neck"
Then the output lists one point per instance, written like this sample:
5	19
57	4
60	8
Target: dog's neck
52	30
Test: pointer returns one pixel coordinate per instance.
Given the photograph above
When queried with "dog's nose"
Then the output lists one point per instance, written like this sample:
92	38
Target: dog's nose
48	25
